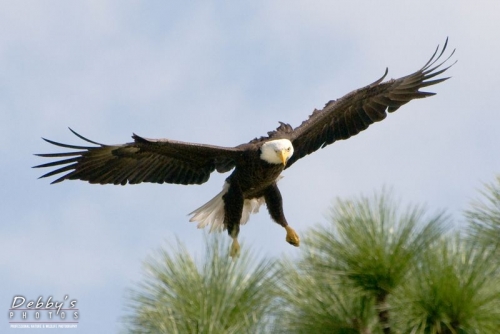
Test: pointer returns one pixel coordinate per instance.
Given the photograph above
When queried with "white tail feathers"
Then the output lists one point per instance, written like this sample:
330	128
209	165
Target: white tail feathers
212	212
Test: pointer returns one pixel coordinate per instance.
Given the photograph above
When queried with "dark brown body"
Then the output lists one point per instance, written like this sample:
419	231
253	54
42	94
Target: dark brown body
255	178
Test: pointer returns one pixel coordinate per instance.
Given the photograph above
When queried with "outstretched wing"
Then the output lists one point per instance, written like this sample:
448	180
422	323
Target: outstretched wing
144	160
355	111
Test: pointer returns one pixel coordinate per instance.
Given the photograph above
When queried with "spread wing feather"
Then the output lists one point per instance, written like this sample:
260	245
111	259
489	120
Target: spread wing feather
144	160
359	109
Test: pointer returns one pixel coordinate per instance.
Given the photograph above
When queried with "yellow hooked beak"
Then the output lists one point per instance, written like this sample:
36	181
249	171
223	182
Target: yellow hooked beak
284	156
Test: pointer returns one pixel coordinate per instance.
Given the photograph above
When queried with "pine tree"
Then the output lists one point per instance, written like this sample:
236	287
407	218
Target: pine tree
213	296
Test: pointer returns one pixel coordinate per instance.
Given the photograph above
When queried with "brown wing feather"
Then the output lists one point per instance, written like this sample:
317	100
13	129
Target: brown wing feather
144	160
355	111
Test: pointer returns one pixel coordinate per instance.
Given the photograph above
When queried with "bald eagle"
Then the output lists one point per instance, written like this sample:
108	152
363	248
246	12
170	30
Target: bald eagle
257	165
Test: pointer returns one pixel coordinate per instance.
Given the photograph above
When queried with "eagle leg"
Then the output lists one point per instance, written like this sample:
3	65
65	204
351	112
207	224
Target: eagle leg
274	203
233	207
233	231
234	251
291	236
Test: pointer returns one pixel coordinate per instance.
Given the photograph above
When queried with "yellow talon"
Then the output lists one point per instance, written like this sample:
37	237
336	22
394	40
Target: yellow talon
291	237
234	251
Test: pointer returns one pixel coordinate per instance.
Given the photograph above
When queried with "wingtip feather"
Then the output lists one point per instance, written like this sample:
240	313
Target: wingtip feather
379	80
83	138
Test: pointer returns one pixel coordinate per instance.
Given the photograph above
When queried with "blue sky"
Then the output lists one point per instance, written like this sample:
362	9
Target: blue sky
222	73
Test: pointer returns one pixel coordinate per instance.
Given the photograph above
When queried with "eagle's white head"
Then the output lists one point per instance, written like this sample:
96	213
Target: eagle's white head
276	151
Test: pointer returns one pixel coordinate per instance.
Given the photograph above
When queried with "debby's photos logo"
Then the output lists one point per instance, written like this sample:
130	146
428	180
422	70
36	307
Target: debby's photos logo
43	313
